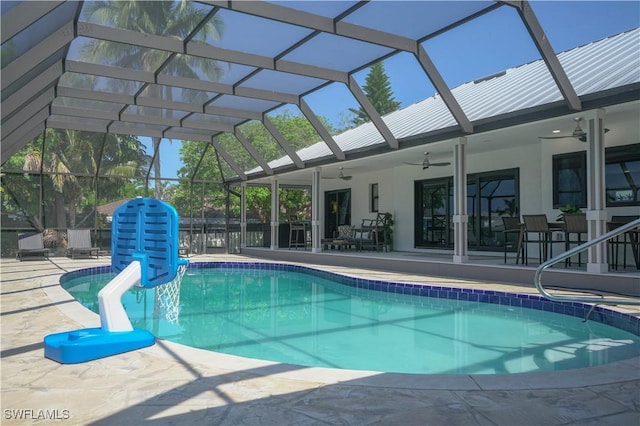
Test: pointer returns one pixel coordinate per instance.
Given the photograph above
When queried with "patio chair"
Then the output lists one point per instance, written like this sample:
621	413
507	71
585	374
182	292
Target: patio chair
538	231
574	224
79	243
370	234
297	233
31	244
512	226
624	240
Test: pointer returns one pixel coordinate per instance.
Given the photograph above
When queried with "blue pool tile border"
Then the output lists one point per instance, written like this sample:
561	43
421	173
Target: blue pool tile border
599	314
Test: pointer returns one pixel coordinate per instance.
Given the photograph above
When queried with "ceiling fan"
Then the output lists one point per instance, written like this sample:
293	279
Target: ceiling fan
577	133
340	175
426	163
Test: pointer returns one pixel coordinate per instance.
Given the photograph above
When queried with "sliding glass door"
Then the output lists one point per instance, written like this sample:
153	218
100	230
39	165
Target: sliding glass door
337	211
489	197
433	212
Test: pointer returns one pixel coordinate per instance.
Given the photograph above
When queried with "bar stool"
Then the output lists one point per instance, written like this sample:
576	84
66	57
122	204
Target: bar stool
297	234
617	221
512	225
574	223
538	225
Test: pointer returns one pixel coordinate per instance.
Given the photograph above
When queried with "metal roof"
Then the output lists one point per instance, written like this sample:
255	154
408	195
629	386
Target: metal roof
603	65
223	63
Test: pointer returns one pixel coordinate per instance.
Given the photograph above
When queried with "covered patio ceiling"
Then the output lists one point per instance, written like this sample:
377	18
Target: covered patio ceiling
232	62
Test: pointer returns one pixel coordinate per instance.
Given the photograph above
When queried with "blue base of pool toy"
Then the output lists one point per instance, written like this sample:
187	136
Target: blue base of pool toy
71	347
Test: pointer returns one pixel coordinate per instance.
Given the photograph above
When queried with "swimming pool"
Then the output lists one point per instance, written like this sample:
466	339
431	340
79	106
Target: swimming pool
258	310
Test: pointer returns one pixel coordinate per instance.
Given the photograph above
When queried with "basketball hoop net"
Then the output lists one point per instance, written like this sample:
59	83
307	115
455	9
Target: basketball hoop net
169	295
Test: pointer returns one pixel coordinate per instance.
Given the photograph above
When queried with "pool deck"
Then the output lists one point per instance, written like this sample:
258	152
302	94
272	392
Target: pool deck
172	384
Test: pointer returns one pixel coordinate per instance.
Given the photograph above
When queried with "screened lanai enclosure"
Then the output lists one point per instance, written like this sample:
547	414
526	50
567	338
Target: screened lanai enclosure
235	112
76	179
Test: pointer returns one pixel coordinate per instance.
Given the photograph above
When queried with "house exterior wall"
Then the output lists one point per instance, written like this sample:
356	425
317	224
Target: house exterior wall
533	159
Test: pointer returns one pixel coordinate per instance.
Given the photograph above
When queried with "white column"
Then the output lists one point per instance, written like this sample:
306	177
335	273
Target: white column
596	197
275	213
315	211
460	217
243	215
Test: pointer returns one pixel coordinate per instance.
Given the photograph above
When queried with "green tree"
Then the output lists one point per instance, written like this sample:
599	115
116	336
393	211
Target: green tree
378	90
174	19
295	129
70	160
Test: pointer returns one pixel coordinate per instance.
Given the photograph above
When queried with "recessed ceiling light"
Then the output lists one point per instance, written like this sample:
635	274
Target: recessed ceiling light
555	131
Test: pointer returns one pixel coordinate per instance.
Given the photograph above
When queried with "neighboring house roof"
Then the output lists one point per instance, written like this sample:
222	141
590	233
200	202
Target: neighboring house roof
108	209
606	64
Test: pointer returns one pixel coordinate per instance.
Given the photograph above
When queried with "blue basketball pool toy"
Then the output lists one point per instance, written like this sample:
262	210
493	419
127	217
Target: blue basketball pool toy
144	252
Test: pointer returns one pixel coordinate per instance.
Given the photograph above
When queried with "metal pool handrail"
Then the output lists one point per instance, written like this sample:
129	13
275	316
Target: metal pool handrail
582	247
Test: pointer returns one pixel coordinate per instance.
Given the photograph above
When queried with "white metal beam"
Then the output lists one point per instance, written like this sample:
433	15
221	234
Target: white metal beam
282	141
107	71
120	35
252	151
93	95
175	133
441	86
81	113
23	15
33	88
541	41
61	122
36	55
39	104
322	131
31	122
14	142
373	114
236	168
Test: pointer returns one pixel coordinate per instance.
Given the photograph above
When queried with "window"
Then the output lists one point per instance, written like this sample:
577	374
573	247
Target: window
570	180
622	176
373	198
622	171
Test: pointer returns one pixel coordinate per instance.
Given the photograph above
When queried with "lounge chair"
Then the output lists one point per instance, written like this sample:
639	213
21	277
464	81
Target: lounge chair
31	244
79	242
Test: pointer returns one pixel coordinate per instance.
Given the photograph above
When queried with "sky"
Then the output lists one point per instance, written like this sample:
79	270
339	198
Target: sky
487	45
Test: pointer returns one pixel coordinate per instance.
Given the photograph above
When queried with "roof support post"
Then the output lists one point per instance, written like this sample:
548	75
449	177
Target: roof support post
243	215
283	143
316	212
541	41
275	212
460	217
596	192
373	114
322	131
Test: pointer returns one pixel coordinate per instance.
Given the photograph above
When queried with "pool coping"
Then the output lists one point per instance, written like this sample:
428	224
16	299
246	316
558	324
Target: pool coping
615	372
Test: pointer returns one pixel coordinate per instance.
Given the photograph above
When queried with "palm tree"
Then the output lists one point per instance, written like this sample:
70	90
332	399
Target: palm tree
170	19
69	154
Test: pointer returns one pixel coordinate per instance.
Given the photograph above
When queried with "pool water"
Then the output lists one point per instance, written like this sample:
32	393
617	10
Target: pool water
306	319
